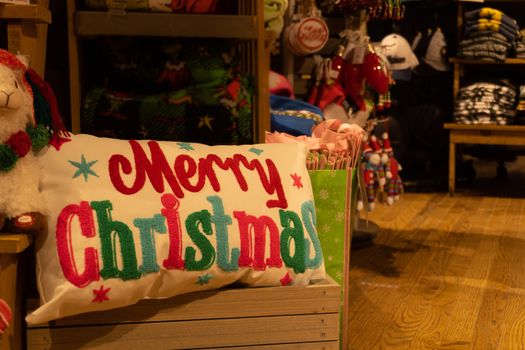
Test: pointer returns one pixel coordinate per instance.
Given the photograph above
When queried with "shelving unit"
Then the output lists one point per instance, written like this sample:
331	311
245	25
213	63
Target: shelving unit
27	31
11	246
247	25
478	134
510	60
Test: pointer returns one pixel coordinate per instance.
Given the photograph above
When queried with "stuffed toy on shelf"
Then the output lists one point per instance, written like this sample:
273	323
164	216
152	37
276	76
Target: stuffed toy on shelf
373	171
27	104
394	184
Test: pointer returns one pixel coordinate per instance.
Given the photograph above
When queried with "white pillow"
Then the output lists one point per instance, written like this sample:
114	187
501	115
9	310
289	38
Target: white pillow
130	220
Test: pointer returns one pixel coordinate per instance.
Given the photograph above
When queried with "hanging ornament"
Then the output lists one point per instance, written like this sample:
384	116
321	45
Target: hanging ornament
376	72
308	32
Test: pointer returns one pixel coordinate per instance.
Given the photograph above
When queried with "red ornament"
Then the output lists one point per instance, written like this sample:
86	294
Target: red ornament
354	84
375	73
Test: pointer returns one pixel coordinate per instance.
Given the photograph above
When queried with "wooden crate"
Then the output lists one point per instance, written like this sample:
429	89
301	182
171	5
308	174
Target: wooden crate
238	318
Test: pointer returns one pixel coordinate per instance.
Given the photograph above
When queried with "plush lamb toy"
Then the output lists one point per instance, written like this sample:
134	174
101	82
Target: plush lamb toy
21	205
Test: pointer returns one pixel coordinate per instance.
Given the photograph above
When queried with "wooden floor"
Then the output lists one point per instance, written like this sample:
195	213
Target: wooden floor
443	273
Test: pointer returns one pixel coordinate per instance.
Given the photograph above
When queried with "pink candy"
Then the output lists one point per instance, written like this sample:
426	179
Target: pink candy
330	137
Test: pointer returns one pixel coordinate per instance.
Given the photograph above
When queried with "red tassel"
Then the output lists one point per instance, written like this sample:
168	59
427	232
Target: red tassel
49	95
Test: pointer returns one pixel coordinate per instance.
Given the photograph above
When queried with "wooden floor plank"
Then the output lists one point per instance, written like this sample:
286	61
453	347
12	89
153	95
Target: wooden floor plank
392	266
459	332
413	316
433	286
443	273
500	283
513	324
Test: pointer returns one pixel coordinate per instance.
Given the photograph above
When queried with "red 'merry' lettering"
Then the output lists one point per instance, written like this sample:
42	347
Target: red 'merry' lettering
157	170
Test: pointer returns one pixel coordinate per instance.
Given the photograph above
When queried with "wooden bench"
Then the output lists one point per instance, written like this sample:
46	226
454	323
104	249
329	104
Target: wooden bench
234	318
504	135
238	318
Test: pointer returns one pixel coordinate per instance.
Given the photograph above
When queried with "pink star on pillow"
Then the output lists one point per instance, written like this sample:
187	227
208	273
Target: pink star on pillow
100	294
296	180
286	280
57	141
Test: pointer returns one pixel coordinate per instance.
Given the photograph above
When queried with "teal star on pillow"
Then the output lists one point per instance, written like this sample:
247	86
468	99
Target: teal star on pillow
186	146
204	279
84	168
256	151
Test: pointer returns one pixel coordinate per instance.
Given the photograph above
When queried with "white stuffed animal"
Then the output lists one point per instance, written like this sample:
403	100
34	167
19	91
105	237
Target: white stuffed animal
21	205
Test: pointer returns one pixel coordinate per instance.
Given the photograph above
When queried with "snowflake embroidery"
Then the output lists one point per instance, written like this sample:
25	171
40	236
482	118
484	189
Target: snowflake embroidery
83	168
324	194
339	216
326	228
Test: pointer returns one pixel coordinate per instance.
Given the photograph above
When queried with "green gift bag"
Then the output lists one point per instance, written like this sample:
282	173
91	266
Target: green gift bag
335	194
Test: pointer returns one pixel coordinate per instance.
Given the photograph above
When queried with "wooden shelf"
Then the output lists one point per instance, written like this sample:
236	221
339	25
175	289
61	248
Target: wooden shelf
457	126
166	25
35	13
503	1
14	243
457	60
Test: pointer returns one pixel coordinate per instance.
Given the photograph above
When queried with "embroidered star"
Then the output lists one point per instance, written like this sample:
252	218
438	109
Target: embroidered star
257	151
296	180
100	294
286	280
186	146
57	141
204	279
84	168
206	121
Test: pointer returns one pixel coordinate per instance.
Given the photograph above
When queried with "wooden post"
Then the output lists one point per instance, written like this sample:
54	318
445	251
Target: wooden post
8	273
263	43
452	167
74	70
10	247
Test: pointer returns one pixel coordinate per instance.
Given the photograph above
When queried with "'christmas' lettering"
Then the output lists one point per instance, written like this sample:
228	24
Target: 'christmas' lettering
109	230
262	245
83	212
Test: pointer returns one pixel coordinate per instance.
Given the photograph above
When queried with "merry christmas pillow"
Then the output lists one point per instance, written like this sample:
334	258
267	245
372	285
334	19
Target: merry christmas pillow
130	220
